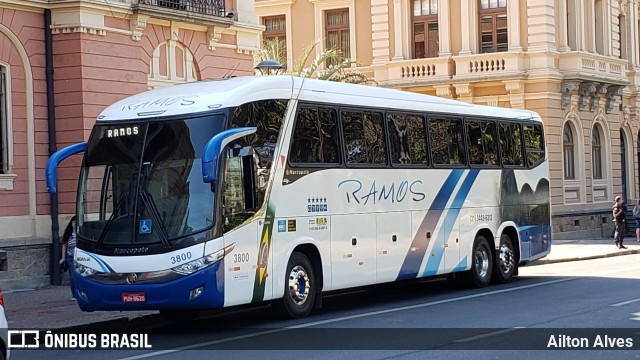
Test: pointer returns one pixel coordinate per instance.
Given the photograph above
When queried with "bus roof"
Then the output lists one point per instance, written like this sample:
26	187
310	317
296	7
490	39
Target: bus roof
207	95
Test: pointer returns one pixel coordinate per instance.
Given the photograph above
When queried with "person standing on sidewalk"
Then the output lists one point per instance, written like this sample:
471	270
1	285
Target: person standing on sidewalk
636	214
68	246
619	220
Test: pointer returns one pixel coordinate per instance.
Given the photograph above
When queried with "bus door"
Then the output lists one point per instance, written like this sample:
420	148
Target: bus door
353	250
393	240
247	266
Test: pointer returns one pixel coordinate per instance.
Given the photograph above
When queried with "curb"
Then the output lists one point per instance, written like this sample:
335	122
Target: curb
579	258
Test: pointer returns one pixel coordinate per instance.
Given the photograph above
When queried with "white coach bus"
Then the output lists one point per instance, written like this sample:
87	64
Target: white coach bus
242	190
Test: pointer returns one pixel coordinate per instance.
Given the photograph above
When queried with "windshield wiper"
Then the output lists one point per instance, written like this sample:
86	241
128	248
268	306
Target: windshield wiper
148	202
110	221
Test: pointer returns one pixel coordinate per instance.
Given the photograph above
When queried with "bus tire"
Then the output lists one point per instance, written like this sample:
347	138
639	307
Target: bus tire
299	288
481	264
505	263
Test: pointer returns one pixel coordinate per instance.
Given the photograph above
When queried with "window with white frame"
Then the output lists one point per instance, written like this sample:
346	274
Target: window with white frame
172	63
568	153
337	31
596	152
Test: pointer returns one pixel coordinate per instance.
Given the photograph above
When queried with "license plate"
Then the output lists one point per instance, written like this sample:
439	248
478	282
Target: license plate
138	297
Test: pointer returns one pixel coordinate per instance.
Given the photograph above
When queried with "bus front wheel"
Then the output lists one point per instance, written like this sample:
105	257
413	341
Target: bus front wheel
299	287
505	264
481	264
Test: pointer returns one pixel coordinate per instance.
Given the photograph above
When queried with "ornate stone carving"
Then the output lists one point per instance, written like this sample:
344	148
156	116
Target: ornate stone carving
565	89
585	92
612	92
138	24
464	90
445	91
214	34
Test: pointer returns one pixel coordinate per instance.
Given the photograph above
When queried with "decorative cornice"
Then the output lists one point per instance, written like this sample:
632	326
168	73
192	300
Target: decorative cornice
73	28
445	91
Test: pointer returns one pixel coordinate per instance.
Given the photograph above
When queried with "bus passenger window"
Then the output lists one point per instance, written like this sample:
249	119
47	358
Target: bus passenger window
534	144
408	139
446	141
481	138
363	137
315	137
511	144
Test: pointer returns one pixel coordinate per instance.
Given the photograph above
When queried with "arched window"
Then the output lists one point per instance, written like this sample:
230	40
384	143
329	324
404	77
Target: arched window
596	152
172	63
568	153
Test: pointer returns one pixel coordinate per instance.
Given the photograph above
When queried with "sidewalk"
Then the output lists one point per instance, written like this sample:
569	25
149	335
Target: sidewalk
52	308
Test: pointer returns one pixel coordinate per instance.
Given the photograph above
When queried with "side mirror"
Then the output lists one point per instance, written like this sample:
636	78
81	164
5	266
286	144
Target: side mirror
51	171
213	150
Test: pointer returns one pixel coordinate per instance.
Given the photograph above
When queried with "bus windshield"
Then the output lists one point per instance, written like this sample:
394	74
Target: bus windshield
141	183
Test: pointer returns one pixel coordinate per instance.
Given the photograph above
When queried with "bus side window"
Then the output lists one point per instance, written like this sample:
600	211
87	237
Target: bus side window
534	144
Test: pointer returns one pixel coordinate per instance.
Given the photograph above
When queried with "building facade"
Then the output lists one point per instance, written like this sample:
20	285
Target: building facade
574	62
101	52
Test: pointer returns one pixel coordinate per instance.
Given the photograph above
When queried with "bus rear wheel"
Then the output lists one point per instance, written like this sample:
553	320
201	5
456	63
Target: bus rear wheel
481	264
505	264
299	288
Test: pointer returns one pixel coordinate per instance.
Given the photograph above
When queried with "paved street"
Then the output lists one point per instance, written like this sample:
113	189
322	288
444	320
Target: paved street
600	293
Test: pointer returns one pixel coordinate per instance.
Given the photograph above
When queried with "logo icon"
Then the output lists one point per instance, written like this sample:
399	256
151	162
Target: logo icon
132	278
20	339
145	227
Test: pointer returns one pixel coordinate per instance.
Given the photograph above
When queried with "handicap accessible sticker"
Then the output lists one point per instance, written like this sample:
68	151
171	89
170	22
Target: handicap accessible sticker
145	227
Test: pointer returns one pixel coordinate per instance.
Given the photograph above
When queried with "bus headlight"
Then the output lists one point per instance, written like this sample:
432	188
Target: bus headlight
203	262
84	271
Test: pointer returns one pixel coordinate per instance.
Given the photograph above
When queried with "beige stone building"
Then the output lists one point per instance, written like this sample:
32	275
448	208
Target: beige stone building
575	62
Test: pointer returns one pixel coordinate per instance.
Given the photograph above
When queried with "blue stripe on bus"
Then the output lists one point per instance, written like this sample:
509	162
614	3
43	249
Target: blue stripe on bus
462	265
413	260
433	262
105	267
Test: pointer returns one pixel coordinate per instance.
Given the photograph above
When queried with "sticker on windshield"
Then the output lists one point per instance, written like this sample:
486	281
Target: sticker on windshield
145	227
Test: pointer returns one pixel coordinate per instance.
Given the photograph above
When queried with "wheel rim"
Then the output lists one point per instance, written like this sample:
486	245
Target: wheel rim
299	285
482	262
506	259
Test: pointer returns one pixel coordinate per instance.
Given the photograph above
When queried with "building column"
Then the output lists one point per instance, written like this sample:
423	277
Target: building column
469	26
589	27
542	36
632	25
444	31
380	31
513	24
397	30
607	40
581	20
561	26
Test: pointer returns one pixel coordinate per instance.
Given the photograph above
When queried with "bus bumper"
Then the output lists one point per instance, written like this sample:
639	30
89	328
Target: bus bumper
183	293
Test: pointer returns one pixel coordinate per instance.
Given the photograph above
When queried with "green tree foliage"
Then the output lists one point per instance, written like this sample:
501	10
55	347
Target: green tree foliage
337	67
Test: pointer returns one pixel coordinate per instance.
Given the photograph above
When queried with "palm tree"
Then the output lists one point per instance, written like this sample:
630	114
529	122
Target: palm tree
338	67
